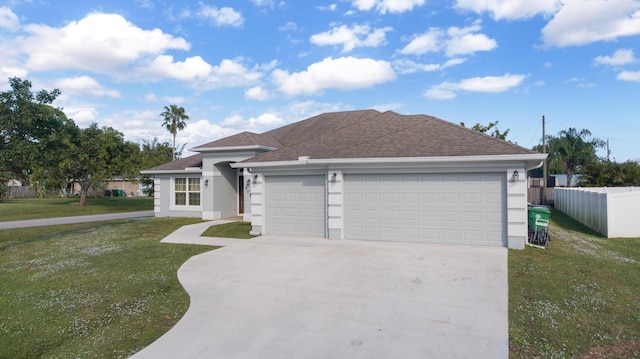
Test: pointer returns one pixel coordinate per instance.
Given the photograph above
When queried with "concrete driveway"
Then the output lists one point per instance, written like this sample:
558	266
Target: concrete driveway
273	297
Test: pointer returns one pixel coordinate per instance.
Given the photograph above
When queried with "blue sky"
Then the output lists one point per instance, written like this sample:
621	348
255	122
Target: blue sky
259	64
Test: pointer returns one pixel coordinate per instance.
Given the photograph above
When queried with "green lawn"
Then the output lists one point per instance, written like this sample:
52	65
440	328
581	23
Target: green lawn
109	289
580	295
238	230
32	208
101	290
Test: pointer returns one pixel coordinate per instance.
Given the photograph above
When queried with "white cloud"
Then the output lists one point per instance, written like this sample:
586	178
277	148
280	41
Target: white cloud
84	85
8	19
224	16
633	76
464	41
10	71
99	42
510	9
265	120
233	73
582	22
405	66
619	58
82	114
176	100
330	7
344	73
430	41
384	6
352	37
263	3
492	84
257	93
190	69
454	41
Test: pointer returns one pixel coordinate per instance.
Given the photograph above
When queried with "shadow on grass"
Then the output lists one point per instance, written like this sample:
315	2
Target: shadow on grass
564	221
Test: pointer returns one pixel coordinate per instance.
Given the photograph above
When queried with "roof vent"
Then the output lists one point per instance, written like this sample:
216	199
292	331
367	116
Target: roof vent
303	158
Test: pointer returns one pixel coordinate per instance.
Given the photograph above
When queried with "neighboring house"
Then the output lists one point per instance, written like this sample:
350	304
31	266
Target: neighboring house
358	175
131	188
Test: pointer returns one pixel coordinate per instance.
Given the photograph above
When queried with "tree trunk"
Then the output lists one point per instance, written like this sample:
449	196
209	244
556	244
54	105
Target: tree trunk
63	192
84	188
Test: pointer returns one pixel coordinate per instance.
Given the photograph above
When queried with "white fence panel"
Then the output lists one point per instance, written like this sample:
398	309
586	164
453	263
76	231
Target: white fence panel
612	212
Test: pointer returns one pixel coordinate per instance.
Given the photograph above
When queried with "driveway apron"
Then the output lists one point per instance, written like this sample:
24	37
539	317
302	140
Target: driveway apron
278	297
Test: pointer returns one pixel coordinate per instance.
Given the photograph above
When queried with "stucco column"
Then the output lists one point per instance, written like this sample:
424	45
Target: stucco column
257	201
335	207
517	230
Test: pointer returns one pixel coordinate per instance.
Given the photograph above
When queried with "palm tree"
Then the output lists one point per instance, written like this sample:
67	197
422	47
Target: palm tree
573	149
174	118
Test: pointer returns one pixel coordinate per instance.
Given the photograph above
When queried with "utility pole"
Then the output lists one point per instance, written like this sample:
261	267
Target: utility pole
608	150
544	165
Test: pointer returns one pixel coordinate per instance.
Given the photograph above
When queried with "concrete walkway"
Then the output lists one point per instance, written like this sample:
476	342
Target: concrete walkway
277	297
73	219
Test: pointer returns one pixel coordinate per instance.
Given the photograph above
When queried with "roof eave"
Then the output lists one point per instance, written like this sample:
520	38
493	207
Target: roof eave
531	160
162	172
233	148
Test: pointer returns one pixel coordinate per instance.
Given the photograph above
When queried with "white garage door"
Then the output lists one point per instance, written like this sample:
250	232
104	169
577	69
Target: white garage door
295	205
435	208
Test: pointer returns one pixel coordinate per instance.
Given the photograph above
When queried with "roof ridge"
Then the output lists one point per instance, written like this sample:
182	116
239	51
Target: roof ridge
333	129
372	139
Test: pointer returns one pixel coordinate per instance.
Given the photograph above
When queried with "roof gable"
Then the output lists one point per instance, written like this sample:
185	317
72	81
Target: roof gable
243	139
180	164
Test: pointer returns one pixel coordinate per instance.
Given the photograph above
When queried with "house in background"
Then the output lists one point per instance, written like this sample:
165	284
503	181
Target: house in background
360	175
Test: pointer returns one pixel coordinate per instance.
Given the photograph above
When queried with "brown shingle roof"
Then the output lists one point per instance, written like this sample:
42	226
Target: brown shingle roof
370	134
244	139
361	134
180	164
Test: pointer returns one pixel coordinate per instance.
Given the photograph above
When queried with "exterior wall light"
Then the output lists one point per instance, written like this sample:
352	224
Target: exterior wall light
255	178
333	177
516	175
206	183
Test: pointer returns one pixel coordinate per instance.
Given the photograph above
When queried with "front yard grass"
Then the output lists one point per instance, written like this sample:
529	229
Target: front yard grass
102	290
580	298
33	208
238	230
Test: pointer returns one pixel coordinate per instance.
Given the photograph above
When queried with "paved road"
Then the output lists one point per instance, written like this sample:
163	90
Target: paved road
275	297
75	219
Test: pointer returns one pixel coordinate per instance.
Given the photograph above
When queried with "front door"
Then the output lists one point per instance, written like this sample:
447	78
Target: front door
241	194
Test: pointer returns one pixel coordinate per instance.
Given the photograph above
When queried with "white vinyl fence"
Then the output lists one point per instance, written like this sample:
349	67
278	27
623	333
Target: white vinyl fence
613	212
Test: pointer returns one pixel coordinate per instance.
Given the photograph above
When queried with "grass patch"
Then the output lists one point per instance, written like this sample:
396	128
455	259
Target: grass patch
238	230
580	295
102	290
33	208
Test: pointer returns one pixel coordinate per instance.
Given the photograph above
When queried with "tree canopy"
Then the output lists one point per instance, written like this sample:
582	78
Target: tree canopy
571	150
43	148
610	174
486	129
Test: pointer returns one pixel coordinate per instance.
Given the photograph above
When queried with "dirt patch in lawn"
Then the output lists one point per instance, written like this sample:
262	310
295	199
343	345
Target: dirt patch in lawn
624	349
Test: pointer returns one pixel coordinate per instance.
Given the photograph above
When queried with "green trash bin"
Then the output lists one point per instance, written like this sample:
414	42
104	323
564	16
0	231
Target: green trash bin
118	193
538	212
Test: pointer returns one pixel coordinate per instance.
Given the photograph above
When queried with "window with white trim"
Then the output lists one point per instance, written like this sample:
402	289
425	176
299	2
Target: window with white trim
186	191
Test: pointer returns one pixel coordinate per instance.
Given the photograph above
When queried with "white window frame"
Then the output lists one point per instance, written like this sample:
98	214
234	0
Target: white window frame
186	207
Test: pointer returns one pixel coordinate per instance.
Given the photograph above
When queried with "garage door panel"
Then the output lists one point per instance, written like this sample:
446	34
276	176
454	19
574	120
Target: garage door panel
295	205
450	208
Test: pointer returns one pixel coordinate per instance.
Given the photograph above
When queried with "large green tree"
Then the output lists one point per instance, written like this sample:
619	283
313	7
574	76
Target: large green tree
174	118
610	174
27	122
571	150
98	154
